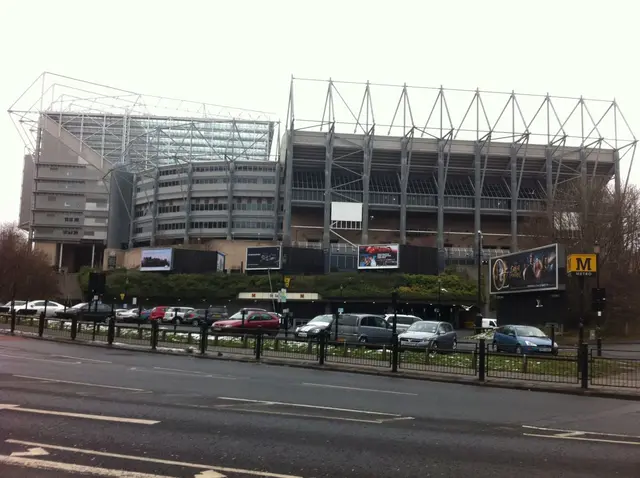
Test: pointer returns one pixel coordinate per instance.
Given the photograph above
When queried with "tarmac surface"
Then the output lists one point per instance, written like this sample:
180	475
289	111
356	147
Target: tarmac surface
70	410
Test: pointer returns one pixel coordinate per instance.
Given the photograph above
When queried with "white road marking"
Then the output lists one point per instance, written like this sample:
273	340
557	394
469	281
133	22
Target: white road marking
305	415
194	372
358	389
39	360
31	452
581	431
179	372
55	380
220	469
210	474
596	440
79	469
301	405
568	435
82	358
105	418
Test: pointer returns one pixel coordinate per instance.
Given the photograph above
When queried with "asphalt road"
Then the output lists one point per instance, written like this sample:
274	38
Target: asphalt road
167	416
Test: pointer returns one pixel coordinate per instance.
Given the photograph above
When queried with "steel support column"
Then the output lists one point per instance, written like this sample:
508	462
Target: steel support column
616	174
441	187
405	167
477	186
231	165
276	203
583	185
187	203
132	212
154	216
366	175
514	197
288	184
549	181
326	229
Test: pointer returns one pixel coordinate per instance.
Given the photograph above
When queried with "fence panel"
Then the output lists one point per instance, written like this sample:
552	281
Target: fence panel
562	368
462	361
291	349
352	354
615	368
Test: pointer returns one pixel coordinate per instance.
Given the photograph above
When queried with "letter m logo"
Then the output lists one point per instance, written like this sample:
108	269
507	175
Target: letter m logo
583	264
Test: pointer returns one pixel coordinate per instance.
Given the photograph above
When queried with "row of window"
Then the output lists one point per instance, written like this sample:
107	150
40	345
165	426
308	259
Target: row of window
175	226
209	224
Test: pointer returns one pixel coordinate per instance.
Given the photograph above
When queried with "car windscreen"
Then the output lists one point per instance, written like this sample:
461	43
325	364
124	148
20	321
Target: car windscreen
529	332
16	303
403	319
321	319
247	312
80	306
422	326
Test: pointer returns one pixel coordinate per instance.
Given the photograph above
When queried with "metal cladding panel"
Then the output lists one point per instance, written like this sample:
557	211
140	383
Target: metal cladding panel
418	260
534	308
193	261
120	209
300	260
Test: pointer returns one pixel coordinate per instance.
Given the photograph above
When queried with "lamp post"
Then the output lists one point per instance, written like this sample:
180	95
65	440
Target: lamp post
478	326
599	312
439	297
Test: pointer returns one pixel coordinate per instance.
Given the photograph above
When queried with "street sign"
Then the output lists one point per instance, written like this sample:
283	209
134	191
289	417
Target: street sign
287	282
340	310
283	295
122	296
582	264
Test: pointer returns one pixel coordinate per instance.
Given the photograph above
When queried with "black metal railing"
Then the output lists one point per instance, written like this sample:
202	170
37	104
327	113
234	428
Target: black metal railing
606	367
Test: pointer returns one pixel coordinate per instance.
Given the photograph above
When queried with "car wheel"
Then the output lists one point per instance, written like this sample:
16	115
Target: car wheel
518	350
363	340
178	321
495	347
433	348
454	345
195	323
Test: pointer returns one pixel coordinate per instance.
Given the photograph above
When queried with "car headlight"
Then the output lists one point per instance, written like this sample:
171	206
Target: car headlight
228	325
530	344
314	331
555	345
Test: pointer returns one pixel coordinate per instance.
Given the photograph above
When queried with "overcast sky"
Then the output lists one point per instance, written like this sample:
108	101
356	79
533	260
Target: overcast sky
243	53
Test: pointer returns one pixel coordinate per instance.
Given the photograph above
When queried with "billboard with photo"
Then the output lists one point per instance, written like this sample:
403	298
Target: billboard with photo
220	267
533	270
154	260
379	256
263	258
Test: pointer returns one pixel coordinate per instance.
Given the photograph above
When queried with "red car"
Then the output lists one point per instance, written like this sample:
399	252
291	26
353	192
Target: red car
254	321
157	313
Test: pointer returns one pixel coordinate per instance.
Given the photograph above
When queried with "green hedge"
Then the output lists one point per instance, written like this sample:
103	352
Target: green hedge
220	286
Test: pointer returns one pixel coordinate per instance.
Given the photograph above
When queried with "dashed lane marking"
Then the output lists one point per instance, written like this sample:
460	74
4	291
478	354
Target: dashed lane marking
85	384
104	418
356	389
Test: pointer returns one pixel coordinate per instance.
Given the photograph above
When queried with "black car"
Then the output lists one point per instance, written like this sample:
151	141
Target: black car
198	317
314	326
96	313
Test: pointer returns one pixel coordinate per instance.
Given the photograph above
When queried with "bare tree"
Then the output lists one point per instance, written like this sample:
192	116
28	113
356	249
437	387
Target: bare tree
24	272
582	215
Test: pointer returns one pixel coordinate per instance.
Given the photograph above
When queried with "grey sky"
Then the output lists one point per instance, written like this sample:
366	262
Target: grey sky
242	53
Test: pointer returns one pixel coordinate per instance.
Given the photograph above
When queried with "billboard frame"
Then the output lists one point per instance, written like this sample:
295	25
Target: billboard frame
155	269
246	259
380	268
557	287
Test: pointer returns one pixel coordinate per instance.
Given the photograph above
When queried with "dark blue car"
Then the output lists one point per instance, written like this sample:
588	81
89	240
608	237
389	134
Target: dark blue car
523	339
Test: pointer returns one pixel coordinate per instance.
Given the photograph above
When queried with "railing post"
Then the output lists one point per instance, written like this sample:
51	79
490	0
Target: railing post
41	325
13	319
394	352
322	348
74	327
204	336
482	360
583	358
154	334
258	344
95	327
111	331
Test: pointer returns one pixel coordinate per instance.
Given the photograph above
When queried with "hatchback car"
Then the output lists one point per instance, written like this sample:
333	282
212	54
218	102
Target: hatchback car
363	328
315	326
430	335
254	321
523	339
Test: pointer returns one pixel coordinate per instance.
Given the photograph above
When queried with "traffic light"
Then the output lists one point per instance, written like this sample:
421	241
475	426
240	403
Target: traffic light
598	299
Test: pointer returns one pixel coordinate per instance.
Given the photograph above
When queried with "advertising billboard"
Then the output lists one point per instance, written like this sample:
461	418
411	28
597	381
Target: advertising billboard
379	256
533	270
263	258
153	260
221	262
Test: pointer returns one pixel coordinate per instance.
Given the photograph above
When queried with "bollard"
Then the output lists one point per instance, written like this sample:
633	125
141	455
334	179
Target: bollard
74	327
204	337
154	334
394	352
111	331
599	346
41	325
13	320
482	359
583	358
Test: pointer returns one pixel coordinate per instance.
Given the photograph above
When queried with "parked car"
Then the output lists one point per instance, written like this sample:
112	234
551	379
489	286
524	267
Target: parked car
254	321
314	327
432	335
157	313
39	306
197	317
523	339
97	312
403	321
175	314
363	328
132	315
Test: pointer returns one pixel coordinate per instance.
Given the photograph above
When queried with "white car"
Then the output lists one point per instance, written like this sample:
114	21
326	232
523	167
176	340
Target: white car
176	314
403	322
52	307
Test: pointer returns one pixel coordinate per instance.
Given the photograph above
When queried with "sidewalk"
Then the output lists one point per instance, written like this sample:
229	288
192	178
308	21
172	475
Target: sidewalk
310	362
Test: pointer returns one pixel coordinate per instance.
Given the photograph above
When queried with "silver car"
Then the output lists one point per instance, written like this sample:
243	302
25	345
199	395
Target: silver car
403	321
430	335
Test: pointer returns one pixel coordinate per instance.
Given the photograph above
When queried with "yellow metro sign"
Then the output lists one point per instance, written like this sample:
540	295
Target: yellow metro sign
582	264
